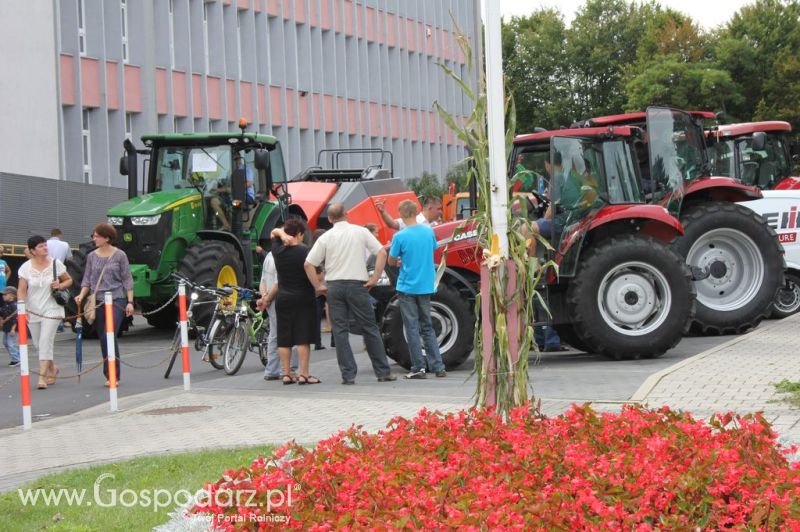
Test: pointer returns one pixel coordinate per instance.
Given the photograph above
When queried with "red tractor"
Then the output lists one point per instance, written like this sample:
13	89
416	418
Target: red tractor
761	154
620	289
736	260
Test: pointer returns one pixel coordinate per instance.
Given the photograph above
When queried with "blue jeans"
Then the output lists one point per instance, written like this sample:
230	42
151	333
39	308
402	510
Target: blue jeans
546	337
349	300
118	311
416	312
11	342
273	367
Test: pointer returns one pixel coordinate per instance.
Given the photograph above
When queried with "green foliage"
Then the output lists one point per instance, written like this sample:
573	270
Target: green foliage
459	174
173	472
502	377
426	186
759	47
792	389
623	55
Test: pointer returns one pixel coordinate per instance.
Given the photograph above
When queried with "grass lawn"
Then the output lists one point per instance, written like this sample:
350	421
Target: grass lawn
132	512
791	388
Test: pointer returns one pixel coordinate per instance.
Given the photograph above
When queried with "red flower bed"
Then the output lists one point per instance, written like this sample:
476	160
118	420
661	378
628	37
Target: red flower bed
634	470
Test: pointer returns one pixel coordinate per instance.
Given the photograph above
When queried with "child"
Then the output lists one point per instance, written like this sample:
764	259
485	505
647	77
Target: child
8	322
5	271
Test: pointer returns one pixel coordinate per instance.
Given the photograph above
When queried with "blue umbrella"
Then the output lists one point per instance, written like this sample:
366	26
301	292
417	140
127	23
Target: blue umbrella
79	346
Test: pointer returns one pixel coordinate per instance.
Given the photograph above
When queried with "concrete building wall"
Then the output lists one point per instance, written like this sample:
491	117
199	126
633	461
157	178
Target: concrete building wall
79	76
29	134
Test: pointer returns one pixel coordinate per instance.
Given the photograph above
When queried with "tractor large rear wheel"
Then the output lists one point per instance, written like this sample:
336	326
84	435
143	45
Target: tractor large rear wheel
211	263
453	323
744	262
631	298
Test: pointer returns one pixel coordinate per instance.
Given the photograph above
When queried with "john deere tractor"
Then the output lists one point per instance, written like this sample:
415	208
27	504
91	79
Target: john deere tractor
209	199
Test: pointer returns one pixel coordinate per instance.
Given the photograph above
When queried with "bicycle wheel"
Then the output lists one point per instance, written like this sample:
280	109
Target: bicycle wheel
235	348
261	342
216	338
174	348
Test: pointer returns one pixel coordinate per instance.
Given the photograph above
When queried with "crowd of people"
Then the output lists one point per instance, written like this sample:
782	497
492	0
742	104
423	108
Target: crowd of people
43	275
332	276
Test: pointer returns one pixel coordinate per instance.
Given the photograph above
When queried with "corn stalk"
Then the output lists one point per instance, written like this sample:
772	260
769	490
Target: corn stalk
502	381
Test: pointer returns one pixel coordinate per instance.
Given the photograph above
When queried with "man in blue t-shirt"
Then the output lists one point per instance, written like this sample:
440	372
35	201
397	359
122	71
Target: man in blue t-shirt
413	248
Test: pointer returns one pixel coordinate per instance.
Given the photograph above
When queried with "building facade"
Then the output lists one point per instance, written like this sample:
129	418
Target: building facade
315	73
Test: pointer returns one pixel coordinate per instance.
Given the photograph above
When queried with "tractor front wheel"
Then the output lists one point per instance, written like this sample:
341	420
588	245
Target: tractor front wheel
631	298
788	300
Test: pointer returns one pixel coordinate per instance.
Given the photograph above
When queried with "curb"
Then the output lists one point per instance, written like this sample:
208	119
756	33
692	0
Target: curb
640	395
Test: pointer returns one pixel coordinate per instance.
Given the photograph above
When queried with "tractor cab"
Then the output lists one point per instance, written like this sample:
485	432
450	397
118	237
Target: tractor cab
756	153
583	175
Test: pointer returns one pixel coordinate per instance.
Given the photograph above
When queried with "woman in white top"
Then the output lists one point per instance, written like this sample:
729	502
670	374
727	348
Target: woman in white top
36	285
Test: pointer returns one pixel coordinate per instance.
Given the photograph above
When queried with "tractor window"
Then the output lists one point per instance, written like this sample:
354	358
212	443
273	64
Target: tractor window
676	146
185	167
620	178
722	160
529	173
276	165
766	167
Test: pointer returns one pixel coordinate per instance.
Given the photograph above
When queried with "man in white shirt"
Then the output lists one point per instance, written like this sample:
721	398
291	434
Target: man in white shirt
430	215
57	248
346	286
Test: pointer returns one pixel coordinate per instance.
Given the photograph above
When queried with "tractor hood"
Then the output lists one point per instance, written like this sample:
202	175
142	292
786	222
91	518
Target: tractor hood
154	203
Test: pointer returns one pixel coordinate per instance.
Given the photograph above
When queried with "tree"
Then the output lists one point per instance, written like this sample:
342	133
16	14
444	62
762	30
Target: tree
426	186
759	47
601	49
537	70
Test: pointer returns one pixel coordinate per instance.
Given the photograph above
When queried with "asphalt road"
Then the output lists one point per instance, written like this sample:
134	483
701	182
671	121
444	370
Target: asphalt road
569	376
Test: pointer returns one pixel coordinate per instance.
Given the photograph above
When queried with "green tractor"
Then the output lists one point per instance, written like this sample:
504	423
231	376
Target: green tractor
209	200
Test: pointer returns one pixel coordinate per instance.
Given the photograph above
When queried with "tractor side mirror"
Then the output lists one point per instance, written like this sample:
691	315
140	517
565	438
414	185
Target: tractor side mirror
261	159
759	140
123	165
239	186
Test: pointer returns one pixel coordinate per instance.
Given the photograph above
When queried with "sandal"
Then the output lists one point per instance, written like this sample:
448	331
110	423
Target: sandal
52	379
287	379
310	379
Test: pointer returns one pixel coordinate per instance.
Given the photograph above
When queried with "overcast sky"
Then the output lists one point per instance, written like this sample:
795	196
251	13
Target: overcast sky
708	13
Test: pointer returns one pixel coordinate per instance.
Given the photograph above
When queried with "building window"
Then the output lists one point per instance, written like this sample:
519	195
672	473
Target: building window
129	125
171	33
81	27
87	147
205	37
124	13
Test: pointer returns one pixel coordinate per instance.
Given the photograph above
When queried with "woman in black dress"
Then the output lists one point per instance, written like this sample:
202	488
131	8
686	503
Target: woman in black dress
294	298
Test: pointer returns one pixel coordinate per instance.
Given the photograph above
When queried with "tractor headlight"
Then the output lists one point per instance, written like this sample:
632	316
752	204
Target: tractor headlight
115	220
145	220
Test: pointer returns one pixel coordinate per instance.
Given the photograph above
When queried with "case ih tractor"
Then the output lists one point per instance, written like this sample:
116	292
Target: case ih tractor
736	260
761	154
210	199
620	290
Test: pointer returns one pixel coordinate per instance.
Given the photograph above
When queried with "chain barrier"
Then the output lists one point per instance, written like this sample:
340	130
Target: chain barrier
59	376
98	305
148	366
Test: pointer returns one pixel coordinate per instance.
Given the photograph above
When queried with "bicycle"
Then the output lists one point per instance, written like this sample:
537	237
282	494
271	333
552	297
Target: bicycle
207	339
249	332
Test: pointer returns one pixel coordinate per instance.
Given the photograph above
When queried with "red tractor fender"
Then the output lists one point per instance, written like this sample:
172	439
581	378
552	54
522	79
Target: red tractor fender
461	241
720	188
655	220
788	183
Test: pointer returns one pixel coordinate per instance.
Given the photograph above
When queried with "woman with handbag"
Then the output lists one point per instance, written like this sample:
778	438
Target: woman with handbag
107	269
41	281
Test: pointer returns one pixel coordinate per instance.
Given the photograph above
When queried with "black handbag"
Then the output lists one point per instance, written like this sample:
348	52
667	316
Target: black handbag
61	296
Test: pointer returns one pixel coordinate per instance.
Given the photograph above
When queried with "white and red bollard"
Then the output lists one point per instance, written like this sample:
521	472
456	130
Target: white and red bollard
187	384
112	354
24	373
